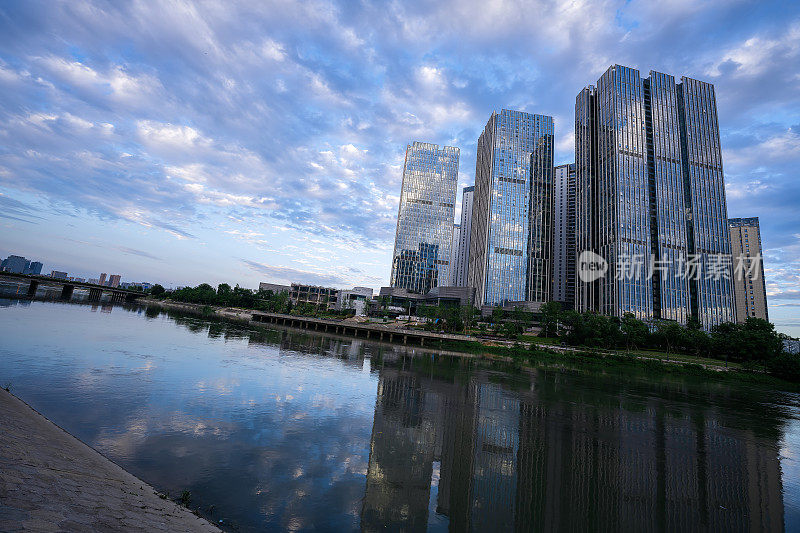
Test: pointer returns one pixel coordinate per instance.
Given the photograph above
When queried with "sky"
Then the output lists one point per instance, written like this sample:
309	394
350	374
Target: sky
217	141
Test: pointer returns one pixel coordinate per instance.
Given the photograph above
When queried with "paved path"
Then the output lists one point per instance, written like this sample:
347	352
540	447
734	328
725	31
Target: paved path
51	481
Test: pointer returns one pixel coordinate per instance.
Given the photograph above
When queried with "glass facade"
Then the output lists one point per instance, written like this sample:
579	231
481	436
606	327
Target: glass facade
650	193
510	256
422	247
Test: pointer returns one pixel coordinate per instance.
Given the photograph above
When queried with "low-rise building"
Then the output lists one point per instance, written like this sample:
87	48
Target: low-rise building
355	298
274	287
324	297
401	298
57	274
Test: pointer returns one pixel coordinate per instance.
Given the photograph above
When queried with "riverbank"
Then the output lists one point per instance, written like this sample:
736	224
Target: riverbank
522	355
51	481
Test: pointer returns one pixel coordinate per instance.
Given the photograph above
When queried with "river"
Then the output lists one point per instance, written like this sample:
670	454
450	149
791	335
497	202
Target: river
282	429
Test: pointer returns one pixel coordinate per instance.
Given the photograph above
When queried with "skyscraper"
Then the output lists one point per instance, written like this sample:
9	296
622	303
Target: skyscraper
113	280
564	255
650	196
454	254
102	279
510	241
462	255
749	287
422	247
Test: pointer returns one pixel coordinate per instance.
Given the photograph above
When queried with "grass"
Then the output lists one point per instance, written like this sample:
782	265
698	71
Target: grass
618	360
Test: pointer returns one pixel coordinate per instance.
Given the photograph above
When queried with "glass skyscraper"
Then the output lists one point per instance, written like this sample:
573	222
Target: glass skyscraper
422	247
511	233
650	194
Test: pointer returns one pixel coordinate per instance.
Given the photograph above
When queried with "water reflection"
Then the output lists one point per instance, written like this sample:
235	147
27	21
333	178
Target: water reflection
287	429
543	458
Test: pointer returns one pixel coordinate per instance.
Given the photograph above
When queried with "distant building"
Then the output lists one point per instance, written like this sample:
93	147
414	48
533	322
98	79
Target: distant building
749	287
77	279
113	280
324	297
16	264
462	246
355	298
454	253
57	274
102	280
564	254
94	281
274	287
424	237
35	268
510	242
791	346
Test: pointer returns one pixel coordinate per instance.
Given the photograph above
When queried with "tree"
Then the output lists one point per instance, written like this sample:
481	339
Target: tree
635	332
157	290
551	315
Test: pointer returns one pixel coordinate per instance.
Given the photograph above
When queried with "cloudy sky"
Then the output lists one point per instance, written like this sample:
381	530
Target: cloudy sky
263	141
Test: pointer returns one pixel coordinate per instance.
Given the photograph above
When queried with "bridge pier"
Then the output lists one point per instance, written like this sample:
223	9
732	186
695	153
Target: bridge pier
95	294
66	291
32	288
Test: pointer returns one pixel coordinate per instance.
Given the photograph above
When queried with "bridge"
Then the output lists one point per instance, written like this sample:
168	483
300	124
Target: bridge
68	287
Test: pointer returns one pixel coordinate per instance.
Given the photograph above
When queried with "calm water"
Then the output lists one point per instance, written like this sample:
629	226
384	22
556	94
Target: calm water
286	430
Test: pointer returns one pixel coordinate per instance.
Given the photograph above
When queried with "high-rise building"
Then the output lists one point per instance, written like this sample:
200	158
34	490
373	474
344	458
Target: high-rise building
510	241
102	279
749	287
564	255
421	258
650	197
462	254
454	254
113	280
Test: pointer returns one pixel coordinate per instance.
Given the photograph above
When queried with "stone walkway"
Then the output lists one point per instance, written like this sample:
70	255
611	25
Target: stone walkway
51	481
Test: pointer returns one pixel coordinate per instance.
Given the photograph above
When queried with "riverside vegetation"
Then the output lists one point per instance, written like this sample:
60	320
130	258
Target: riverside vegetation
753	346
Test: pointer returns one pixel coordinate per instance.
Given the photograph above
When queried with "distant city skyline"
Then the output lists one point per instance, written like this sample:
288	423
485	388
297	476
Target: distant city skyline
182	147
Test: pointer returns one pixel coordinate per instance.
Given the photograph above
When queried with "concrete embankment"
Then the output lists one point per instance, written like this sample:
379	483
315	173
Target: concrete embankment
51	481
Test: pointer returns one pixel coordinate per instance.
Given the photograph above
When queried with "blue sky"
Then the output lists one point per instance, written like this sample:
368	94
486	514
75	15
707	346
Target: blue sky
263	141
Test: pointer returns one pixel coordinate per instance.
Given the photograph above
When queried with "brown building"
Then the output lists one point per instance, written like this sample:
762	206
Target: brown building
750	293
324	297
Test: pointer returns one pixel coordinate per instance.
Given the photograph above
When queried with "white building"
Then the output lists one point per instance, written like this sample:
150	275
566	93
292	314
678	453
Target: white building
355	298
462	249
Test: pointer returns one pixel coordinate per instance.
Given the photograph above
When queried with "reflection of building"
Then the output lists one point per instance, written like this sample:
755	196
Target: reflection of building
564	255
540	458
511	231
749	288
423	242
650	184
